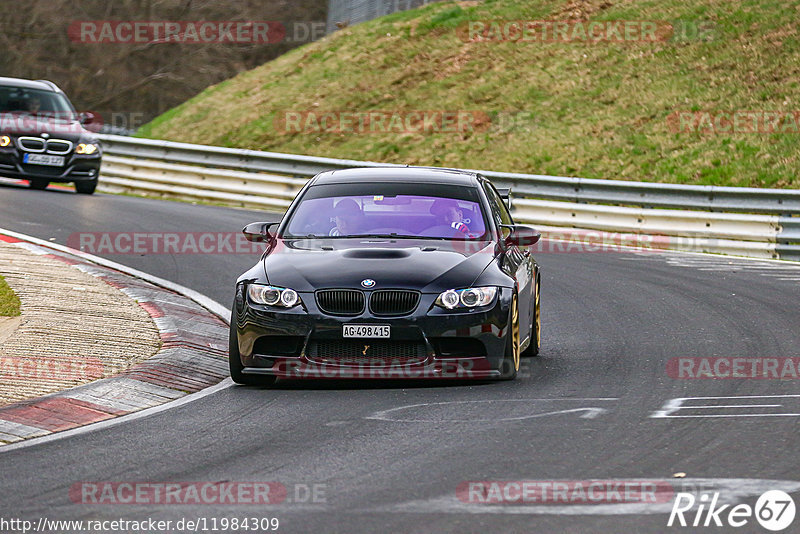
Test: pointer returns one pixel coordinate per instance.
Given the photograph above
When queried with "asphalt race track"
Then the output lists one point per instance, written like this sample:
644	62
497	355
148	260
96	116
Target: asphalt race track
389	456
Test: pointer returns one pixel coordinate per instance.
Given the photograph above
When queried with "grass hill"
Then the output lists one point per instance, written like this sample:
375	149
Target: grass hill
565	106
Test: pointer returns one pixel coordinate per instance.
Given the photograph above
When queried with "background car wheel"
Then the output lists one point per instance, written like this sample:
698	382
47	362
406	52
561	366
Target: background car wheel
536	326
86	188
39	184
510	365
235	363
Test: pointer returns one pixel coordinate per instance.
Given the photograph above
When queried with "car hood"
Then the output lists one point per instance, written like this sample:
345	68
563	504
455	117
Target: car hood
425	265
21	124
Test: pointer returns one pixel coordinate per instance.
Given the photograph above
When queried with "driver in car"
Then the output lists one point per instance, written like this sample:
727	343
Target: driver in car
449	214
34	104
347	216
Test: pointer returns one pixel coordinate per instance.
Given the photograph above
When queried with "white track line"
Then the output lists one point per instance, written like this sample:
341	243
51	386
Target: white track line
118	420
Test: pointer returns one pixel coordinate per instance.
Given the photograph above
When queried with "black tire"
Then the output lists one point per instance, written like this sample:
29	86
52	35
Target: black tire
86	188
536	326
510	365
235	363
39	184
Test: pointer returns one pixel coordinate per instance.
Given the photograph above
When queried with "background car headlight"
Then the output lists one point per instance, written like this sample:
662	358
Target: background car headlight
5	140
273	296
86	148
472	297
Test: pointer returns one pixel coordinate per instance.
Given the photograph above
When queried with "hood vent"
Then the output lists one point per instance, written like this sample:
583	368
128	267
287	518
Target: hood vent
376	253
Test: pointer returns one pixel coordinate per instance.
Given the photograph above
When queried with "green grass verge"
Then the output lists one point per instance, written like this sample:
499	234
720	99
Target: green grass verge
595	110
9	302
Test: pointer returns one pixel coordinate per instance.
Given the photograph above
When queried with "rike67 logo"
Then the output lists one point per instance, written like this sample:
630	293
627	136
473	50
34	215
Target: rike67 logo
774	510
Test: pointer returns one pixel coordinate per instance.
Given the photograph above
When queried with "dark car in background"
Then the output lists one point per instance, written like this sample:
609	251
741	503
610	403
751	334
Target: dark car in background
43	139
388	273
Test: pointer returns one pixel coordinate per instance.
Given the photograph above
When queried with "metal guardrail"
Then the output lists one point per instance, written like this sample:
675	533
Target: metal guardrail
191	182
788	240
731	220
652	195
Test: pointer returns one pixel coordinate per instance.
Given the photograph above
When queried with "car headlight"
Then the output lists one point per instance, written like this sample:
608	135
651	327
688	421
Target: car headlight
86	148
5	140
473	297
273	296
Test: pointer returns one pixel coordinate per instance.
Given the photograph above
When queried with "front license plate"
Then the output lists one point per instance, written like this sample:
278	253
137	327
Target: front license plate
366	330
43	159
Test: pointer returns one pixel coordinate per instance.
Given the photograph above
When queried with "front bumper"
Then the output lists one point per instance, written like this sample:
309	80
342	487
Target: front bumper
288	344
77	168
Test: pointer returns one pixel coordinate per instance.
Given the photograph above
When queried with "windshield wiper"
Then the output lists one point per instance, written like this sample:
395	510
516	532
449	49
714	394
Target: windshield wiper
352	236
384	236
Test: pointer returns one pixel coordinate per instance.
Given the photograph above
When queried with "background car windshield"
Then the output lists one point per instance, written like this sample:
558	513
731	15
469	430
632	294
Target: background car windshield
443	212
35	102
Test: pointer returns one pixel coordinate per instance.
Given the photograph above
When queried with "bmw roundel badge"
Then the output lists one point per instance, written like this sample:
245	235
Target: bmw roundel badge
368	283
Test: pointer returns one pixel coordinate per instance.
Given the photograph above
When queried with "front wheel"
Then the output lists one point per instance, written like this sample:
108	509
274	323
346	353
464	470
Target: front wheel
510	365
86	188
235	363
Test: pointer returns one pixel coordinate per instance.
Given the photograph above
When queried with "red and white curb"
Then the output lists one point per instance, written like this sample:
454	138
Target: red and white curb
193	355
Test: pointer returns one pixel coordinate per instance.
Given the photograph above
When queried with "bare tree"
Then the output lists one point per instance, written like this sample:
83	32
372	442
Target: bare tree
145	78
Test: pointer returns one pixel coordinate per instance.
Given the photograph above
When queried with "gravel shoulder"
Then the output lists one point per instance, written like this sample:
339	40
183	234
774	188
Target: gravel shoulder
74	327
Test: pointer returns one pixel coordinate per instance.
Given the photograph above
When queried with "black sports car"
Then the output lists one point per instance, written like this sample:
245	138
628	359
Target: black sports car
43	138
388	273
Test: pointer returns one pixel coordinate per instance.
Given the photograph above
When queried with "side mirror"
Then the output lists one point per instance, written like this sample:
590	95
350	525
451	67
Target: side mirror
520	235
258	232
86	118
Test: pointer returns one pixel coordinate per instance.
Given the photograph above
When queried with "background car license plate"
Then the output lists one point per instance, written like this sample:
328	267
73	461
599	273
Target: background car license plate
43	159
366	330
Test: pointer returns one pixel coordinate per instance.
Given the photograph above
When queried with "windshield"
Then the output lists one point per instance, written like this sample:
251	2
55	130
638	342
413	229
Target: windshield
388	210
34	102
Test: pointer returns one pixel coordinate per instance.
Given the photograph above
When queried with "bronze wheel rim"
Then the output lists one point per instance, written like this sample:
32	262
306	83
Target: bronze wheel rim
538	318
515	333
